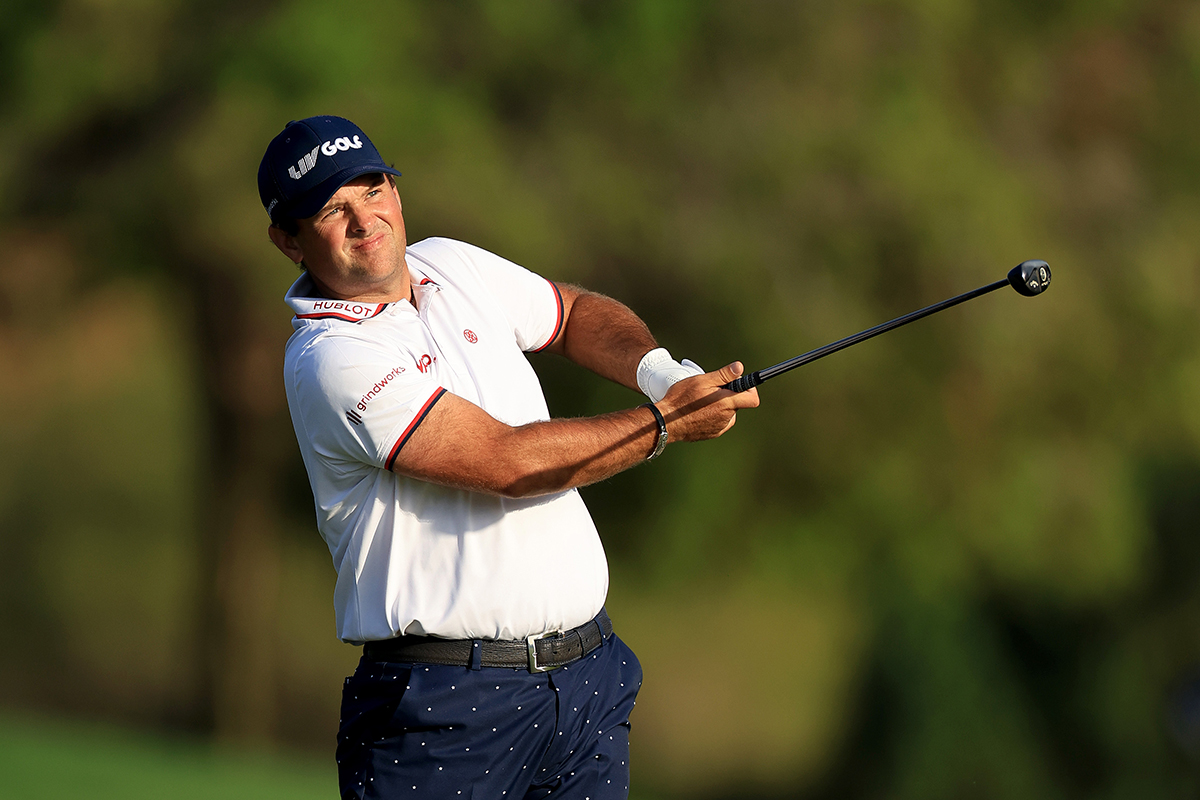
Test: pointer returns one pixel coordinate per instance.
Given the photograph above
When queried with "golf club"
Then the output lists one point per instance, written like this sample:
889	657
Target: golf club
1029	278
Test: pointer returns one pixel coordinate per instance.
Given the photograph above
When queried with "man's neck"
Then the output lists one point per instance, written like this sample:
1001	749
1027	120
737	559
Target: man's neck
406	292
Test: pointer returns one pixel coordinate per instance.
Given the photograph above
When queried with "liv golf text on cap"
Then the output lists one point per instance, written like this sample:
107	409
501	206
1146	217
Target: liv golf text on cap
309	161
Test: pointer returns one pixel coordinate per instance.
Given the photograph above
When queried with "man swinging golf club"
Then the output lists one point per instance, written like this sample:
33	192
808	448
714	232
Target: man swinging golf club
468	567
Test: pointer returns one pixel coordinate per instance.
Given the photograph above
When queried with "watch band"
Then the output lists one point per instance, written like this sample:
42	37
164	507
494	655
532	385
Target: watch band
661	443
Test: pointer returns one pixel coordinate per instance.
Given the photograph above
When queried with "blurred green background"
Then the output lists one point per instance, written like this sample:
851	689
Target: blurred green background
961	560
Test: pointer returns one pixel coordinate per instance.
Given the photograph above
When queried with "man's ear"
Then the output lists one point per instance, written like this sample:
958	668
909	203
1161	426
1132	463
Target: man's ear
286	243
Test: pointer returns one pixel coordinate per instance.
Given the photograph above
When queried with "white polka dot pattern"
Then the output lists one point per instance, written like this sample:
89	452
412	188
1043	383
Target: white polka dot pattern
489	732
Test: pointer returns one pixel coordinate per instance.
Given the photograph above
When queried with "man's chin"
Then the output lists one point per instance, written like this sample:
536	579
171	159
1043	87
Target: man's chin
376	277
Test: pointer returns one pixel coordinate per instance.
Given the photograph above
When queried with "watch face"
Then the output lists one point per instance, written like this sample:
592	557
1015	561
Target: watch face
660	446
661	443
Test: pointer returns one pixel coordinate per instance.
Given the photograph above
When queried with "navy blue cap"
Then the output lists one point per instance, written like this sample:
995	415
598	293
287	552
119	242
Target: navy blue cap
309	161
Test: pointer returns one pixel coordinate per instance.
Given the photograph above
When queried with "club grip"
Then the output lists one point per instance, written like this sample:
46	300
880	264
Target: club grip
743	383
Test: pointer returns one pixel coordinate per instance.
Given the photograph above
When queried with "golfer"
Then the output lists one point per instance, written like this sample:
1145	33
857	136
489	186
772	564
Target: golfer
468	566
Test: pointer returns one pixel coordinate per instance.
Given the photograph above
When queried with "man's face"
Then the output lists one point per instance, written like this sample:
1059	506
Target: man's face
354	246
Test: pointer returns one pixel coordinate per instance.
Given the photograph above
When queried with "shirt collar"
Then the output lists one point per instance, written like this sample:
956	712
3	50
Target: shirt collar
423	286
302	300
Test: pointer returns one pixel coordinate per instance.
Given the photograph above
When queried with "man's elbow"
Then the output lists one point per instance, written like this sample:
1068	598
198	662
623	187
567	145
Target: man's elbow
517	482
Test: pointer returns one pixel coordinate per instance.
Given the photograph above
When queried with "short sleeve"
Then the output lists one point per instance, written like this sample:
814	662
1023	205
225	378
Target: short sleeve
530	303
360	402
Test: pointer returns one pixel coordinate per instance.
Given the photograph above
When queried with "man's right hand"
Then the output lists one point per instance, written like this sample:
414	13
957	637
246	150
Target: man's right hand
699	408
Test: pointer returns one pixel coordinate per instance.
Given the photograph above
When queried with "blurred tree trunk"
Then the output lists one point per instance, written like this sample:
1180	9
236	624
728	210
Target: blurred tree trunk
239	355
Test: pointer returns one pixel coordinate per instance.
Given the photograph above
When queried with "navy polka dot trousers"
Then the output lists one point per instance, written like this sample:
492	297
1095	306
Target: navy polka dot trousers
429	731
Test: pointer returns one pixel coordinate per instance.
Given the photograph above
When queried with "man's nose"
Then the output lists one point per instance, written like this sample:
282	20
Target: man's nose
358	218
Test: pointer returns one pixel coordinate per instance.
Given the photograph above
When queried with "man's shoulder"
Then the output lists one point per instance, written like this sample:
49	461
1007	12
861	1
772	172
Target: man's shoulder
315	350
454	258
441	246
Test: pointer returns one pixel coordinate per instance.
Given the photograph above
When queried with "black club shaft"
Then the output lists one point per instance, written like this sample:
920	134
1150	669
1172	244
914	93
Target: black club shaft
1028	278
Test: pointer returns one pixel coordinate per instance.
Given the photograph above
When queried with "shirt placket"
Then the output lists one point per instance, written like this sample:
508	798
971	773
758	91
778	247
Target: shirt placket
431	299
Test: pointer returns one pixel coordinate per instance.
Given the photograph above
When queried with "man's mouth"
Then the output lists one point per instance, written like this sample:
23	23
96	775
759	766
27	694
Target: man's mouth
370	243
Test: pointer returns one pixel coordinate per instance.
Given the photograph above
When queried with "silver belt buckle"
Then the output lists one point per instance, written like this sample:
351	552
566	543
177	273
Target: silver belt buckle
530	642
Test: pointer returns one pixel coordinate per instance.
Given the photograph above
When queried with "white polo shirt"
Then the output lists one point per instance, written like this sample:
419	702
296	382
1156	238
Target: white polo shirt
414	557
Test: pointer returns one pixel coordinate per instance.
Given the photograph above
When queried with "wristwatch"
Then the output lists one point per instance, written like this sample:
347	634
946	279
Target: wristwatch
661	444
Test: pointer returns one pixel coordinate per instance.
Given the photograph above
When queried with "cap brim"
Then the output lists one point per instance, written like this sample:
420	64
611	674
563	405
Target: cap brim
316	198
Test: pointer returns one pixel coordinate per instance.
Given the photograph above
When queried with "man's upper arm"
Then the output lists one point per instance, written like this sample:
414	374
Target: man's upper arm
458	444
360	401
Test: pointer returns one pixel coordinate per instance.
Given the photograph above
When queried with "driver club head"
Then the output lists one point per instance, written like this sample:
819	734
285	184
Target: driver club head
1030	278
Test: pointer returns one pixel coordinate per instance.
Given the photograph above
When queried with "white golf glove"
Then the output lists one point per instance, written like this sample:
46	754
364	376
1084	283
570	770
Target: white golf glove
657	372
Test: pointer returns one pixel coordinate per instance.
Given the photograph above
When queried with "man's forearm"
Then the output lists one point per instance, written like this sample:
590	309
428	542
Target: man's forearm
562	454
462	446
603	335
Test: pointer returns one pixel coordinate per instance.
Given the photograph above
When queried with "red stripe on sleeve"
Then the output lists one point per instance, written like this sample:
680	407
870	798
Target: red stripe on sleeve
558	324
412	426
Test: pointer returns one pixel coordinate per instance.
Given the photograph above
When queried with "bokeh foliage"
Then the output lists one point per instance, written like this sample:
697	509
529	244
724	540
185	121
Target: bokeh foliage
958	560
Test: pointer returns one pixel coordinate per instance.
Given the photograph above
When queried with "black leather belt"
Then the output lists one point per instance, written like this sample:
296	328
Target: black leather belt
538	653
